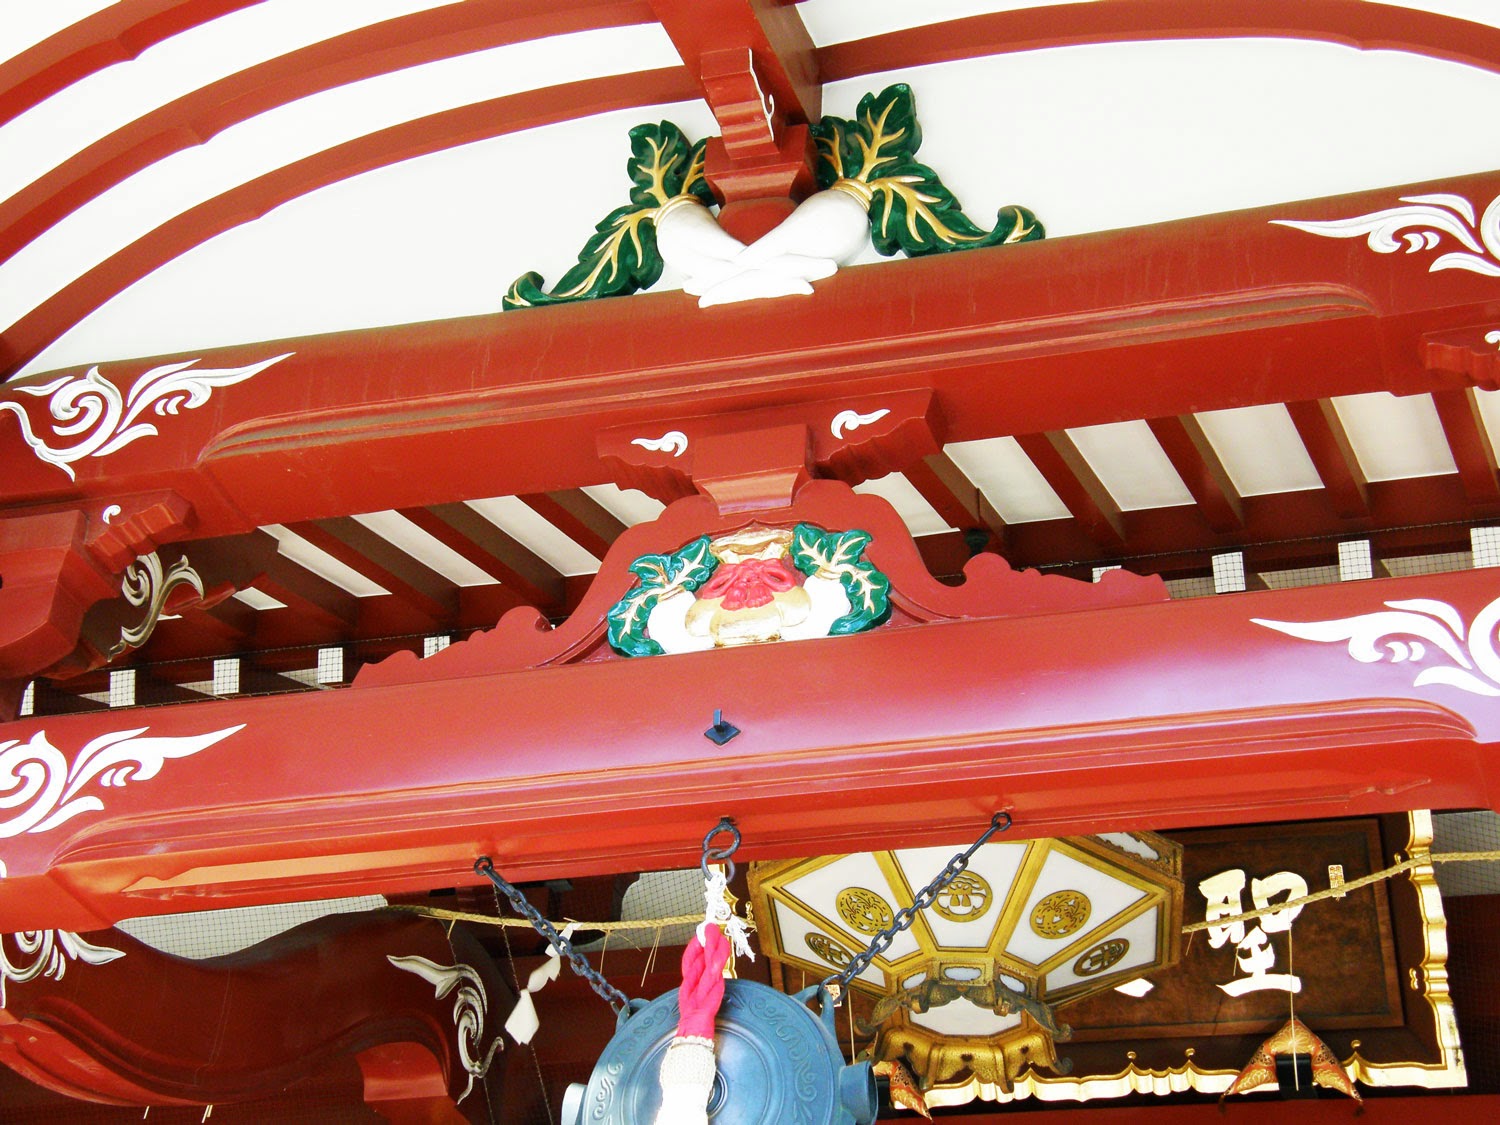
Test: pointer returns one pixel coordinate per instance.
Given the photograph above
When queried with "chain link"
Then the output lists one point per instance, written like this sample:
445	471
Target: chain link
924	898
608	992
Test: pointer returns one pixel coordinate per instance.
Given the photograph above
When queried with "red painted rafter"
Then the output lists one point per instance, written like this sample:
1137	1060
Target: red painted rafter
410	40
1469	441
578	516
497	117
1322	432
953	495
1193	456
118	33
493	551
1069	474
425	591
331	611
1351	23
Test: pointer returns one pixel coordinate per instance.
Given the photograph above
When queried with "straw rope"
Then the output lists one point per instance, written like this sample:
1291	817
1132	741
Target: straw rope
1340	891
1227	920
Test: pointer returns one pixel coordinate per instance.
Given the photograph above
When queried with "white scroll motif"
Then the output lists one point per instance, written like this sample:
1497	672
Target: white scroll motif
1252	948
36	779
674	441
108	420
45	953
1414	630
145	584
469	1008
1426	220
846	420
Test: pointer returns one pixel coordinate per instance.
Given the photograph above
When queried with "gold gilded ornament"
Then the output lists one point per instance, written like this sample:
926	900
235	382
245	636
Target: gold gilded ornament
964	899
1060	914
829	950
754	594
1101	957
864	910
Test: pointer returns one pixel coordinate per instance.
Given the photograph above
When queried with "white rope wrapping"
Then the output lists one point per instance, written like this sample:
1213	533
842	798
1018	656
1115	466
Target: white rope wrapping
718	912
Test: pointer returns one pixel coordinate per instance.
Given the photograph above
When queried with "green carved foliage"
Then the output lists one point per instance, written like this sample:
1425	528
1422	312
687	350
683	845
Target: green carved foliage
911	210
841	555
621	257
659	575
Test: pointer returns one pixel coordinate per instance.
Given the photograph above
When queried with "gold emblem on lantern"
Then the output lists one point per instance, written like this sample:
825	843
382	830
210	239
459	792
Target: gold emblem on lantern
1101	957
865	910
829	950
1060	914
964	899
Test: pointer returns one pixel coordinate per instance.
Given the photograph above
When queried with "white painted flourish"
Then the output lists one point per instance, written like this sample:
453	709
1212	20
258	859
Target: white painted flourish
846	420
94	407
470	1006
1425	220
36	779
1409	633
673	440
45	953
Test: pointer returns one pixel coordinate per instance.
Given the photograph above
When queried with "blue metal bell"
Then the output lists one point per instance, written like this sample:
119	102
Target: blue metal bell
776	1062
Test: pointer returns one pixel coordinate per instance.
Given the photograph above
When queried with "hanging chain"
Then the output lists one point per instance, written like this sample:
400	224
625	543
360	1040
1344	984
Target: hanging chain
720	855
608	992
838	982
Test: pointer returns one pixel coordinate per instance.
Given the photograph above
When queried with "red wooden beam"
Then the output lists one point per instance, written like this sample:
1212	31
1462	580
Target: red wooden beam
1154	715
1197	462
1278	315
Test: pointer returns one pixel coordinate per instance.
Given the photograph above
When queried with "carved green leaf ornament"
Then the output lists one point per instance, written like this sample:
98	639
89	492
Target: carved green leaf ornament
841	555
660	575
622	257
872	158
910	208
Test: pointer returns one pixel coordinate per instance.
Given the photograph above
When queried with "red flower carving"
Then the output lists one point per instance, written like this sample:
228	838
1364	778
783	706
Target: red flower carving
746	585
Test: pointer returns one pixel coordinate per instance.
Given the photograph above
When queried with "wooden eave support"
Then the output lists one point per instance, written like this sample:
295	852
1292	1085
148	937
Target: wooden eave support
1155	715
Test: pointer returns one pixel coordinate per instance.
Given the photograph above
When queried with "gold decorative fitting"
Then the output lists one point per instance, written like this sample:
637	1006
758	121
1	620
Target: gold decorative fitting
965	899
865	910
1101	957
829	950
1060	914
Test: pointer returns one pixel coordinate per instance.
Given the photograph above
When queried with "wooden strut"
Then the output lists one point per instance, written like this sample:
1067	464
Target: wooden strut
522	923
1344	888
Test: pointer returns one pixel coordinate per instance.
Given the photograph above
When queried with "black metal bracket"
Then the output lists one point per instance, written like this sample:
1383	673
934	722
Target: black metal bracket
721	732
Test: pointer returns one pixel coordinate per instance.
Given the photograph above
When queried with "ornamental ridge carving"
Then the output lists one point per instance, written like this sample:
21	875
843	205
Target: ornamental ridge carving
1426	219
757	585
1416	631
38	780
874	192
108	420
470	1005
